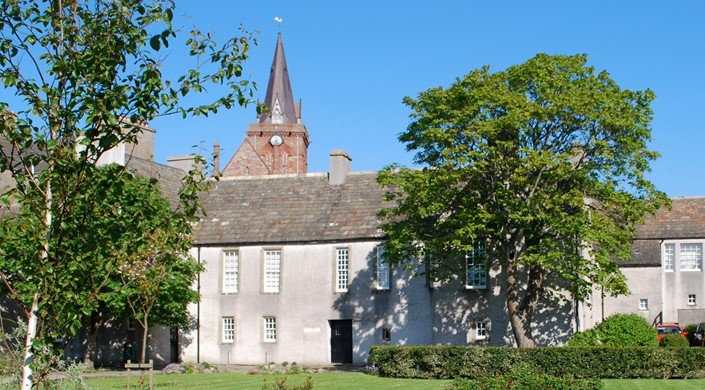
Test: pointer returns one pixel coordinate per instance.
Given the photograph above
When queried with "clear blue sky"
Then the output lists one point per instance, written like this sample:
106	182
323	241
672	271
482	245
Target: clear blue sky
352	62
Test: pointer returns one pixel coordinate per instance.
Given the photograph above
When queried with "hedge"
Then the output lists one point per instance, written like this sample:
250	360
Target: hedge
446	362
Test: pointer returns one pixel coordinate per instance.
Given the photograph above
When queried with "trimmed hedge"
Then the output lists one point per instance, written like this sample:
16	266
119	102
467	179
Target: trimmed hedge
447	362
524	380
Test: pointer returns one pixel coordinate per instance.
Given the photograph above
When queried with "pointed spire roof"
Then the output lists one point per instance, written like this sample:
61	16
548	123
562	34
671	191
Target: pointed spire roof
279	100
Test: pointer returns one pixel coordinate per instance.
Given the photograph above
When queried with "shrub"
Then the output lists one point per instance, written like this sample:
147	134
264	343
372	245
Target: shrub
691	329
280	384
524	379
587	338
674	341
626	330
447	362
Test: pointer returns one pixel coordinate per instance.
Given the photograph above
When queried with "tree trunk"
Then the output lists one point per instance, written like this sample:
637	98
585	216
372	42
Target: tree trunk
145	331
33	319
27	374
520	327
519	316
92	340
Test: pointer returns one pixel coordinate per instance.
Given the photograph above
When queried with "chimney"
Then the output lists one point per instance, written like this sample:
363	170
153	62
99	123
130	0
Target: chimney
216	159
185	163
340	163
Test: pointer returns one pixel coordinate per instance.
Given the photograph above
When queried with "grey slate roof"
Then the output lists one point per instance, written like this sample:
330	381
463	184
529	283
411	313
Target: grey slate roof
291	209
169	177
685	220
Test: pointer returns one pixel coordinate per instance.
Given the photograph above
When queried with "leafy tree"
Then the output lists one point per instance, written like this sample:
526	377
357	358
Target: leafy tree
85	74
543	162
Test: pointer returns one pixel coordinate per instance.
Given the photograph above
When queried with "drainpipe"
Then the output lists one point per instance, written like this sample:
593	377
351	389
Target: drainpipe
198	309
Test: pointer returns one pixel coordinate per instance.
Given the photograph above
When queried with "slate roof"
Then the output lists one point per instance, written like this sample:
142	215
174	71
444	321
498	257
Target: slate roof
169	177
291	209
685	220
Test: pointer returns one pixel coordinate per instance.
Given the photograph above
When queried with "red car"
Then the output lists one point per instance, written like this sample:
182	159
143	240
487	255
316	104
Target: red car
669	329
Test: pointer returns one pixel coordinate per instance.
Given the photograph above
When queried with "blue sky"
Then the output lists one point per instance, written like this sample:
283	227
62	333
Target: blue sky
352	62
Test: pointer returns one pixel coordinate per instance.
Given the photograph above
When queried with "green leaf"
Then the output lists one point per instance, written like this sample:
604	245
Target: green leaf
155	42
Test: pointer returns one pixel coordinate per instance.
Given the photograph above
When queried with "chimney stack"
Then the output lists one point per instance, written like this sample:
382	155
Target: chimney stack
216	159
340	164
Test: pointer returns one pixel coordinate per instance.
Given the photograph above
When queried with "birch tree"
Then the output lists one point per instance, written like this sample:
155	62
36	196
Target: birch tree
75	72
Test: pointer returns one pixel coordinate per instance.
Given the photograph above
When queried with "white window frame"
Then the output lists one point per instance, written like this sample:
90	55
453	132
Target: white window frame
690	256
692	300
131	323
644	304
476	267
383	271
480	330
231	271
271	278
342	269
269	329
228	325
668	257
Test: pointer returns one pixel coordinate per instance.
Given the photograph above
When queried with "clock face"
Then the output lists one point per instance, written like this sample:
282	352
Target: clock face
276	140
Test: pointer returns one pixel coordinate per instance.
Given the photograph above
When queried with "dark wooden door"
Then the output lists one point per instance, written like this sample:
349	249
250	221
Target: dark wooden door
341	341
174	345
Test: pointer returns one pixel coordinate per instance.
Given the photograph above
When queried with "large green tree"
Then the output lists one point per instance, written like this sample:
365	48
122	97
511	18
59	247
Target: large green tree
83	76
544	162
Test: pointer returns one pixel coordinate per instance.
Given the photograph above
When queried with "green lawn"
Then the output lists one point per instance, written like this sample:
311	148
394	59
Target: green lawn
242	381
345	381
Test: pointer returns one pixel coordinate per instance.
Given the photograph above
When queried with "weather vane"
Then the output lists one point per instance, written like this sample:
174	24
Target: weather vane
279	22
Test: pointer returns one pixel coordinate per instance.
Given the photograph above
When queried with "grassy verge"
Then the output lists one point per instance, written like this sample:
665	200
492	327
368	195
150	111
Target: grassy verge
346	381
242	381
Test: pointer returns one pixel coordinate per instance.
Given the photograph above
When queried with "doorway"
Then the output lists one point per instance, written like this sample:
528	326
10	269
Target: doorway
341	342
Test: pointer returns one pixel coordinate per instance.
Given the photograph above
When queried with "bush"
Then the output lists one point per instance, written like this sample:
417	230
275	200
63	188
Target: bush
692	331
674	341
626	330
587	338
524	379
447	362
280	384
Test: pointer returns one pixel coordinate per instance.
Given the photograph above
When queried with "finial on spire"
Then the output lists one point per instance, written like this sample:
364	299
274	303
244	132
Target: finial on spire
279	22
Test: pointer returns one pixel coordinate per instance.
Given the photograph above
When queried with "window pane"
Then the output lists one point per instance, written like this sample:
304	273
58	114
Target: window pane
382	270
341	275
228	329
272	269
691	256
669	256
270	329
476	267
231	261
480	330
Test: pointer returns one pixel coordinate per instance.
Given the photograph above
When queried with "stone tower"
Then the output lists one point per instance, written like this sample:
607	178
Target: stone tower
278	142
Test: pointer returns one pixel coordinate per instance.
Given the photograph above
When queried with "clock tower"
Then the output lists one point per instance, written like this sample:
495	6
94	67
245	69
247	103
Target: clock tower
278	143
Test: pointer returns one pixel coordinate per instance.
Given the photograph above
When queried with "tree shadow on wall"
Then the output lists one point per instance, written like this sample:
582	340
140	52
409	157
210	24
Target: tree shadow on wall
418	311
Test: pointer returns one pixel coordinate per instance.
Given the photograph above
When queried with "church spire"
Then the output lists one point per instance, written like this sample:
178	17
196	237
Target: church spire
278	143
279	101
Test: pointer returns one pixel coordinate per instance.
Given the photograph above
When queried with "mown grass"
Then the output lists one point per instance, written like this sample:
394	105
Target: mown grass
345	381
243	381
